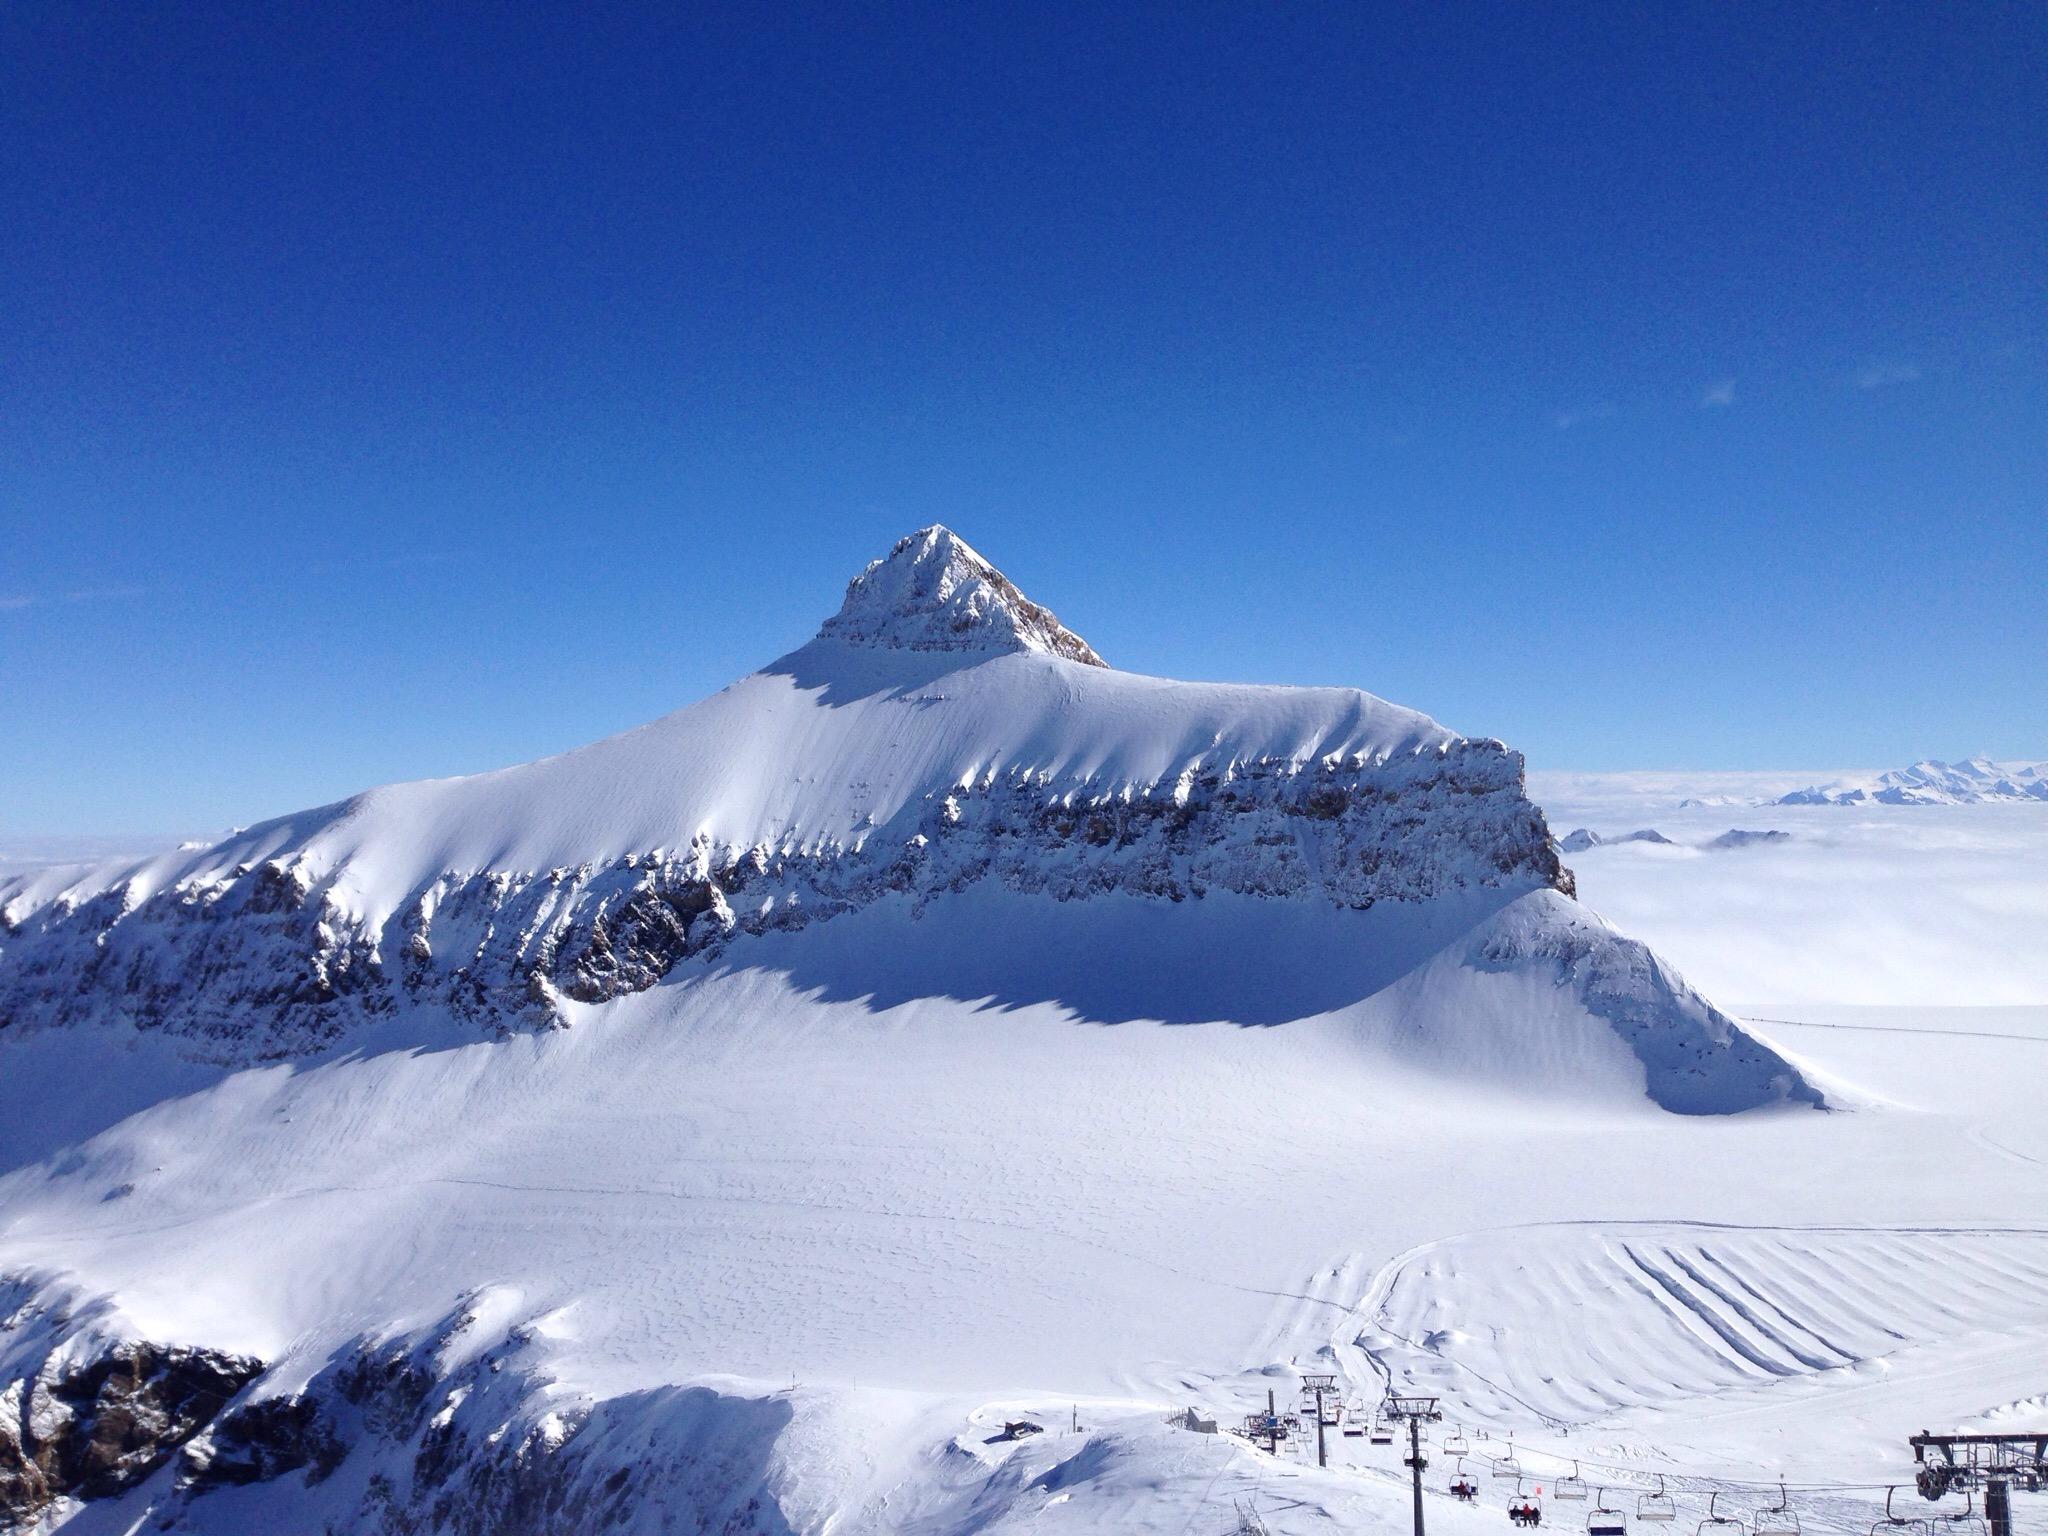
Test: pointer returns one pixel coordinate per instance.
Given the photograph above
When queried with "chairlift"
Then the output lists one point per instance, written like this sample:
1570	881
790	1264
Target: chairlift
1573	1487
1462	1488
1717	1524
1506	1465
1658	1505
1899	1525
1603	1521
1522	1509
1382	1432
1455	1443
1968	1523
1781	1520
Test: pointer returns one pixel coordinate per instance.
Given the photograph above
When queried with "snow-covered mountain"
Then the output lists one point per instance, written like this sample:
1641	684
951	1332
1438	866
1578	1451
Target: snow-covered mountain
1973	781
941	733
477	1154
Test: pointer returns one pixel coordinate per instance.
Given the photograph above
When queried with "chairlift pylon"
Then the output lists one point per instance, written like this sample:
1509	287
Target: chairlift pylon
1656	1506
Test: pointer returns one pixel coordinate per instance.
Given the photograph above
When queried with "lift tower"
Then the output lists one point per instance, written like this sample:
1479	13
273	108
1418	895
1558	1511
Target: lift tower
1417	1411
1994	1463
1317	1387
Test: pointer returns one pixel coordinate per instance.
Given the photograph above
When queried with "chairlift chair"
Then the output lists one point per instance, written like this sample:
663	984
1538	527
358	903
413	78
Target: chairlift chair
1968	1523
1573	1487
1602	1520
1656	1506
1718	1524
1899	1525
1382	1432
1782	1520
1523	1510
1506	1465
1455	1443
1462	1488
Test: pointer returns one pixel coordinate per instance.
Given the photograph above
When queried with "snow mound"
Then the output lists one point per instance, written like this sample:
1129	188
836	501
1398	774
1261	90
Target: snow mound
1696	1059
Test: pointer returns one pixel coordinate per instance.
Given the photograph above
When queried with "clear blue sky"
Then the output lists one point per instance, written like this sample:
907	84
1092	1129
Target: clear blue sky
388	392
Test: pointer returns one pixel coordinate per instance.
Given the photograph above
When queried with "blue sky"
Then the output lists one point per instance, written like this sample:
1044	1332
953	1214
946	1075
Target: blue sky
409	391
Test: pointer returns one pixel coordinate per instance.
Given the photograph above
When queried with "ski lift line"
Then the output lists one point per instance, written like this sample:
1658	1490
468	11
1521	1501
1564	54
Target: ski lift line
1705	1480
1902	1029
1708	1481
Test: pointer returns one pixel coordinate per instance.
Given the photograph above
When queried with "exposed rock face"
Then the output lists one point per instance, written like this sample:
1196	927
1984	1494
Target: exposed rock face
934	593
85	1431
269	949
263	1440
456	1428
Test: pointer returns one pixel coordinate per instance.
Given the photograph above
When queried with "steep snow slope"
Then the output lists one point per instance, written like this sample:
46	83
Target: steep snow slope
938	1016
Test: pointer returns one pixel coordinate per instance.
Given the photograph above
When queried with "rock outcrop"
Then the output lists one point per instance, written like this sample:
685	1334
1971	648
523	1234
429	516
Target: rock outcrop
266	962
84	1429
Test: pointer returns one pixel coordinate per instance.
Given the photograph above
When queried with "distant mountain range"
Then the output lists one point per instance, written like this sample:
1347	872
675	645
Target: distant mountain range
1973	781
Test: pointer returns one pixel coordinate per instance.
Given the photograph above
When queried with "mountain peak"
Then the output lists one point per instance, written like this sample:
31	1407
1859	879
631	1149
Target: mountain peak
933	592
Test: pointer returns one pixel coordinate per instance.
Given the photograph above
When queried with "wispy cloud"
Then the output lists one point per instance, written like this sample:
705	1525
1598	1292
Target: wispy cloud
1579	415
104	594
14	601
1883	375
1718	394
